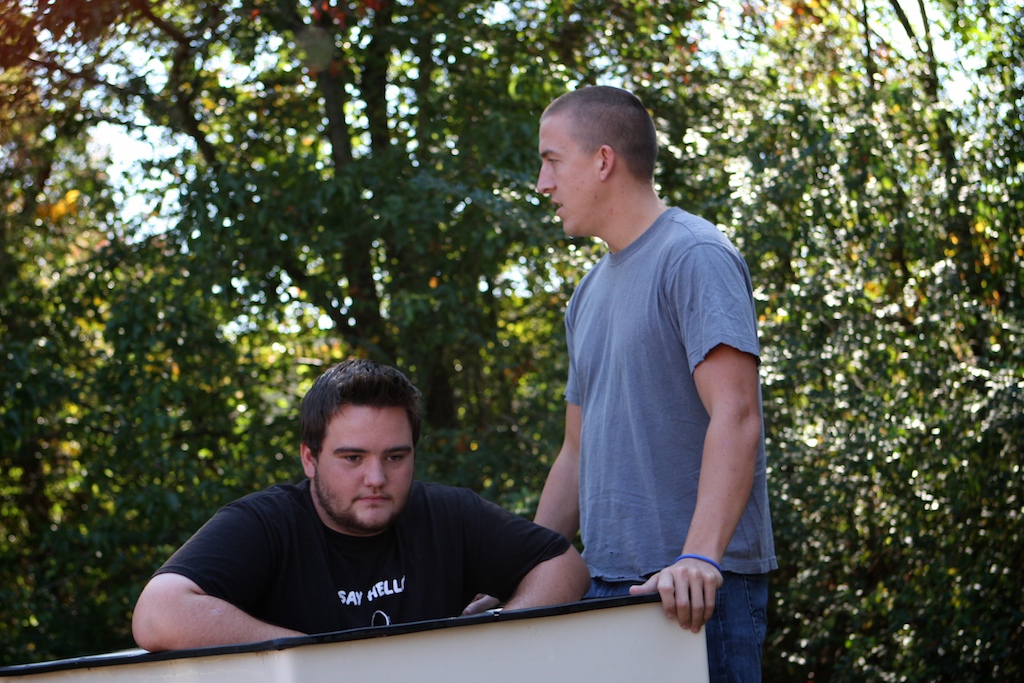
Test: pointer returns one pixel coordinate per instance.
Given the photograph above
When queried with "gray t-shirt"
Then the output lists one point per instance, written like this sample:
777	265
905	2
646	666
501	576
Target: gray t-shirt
637	326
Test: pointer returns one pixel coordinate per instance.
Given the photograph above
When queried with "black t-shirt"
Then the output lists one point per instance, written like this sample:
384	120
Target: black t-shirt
270	555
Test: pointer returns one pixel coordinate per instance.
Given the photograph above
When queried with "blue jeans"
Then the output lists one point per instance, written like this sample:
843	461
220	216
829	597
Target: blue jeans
735	634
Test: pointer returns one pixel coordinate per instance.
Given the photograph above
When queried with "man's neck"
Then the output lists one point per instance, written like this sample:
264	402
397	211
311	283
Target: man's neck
626	226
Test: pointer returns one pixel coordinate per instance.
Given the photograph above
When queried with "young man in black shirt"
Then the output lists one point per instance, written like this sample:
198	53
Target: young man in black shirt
358	543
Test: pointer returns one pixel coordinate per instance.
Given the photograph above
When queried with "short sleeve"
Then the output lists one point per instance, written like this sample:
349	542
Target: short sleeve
229	557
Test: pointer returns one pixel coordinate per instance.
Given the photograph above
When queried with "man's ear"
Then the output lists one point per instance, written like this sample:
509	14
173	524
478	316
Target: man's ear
308	460
606	158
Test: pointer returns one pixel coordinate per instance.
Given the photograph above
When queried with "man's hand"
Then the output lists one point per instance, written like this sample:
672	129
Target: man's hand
481	603
687	591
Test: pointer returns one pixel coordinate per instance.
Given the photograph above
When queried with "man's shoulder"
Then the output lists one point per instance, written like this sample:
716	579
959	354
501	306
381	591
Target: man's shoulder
690	229
278	498
443	502
432	492
691	244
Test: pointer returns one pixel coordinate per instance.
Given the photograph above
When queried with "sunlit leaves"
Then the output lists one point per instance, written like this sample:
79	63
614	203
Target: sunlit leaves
336	178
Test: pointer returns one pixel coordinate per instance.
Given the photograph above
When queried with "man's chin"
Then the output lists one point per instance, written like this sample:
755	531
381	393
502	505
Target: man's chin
372	522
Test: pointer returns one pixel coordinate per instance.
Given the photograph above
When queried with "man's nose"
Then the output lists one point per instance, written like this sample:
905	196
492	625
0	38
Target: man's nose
374	475
544	182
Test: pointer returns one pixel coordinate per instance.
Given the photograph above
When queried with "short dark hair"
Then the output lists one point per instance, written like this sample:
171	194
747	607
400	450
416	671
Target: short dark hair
603	115
356	382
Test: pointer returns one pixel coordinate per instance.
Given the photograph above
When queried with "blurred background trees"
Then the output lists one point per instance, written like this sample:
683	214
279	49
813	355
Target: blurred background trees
207	203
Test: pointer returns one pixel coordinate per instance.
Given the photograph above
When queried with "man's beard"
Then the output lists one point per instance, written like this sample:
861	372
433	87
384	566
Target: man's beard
345	518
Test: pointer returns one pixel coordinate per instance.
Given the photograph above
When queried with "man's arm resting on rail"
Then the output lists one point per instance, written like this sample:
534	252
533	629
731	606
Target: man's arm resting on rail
555	581
173	613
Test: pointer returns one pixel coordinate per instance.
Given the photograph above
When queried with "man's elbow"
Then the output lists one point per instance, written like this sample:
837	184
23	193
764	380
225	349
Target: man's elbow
146	630
555	581
569	572
160	612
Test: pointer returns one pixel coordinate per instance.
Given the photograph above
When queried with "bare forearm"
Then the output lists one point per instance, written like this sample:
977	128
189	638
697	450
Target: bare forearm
168	618
559	506
556	581
726	479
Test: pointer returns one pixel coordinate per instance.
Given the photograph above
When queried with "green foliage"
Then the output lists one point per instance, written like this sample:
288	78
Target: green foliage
355	177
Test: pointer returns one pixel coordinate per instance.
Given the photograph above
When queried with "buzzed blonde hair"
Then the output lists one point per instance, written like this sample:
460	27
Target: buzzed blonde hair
604	115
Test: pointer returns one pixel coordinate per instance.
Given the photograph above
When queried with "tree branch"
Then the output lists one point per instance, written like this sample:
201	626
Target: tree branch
146	10
905	22
869	62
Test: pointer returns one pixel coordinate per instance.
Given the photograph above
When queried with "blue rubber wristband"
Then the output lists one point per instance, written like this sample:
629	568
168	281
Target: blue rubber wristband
691	556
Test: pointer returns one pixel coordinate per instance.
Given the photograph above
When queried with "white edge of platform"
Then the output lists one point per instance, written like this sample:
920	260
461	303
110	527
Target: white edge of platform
607	640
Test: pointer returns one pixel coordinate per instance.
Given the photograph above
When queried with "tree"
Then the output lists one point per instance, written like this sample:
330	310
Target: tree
890	280
355	177
299	214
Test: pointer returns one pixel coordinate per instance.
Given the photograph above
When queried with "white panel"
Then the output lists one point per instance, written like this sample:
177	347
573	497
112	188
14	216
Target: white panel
631	642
